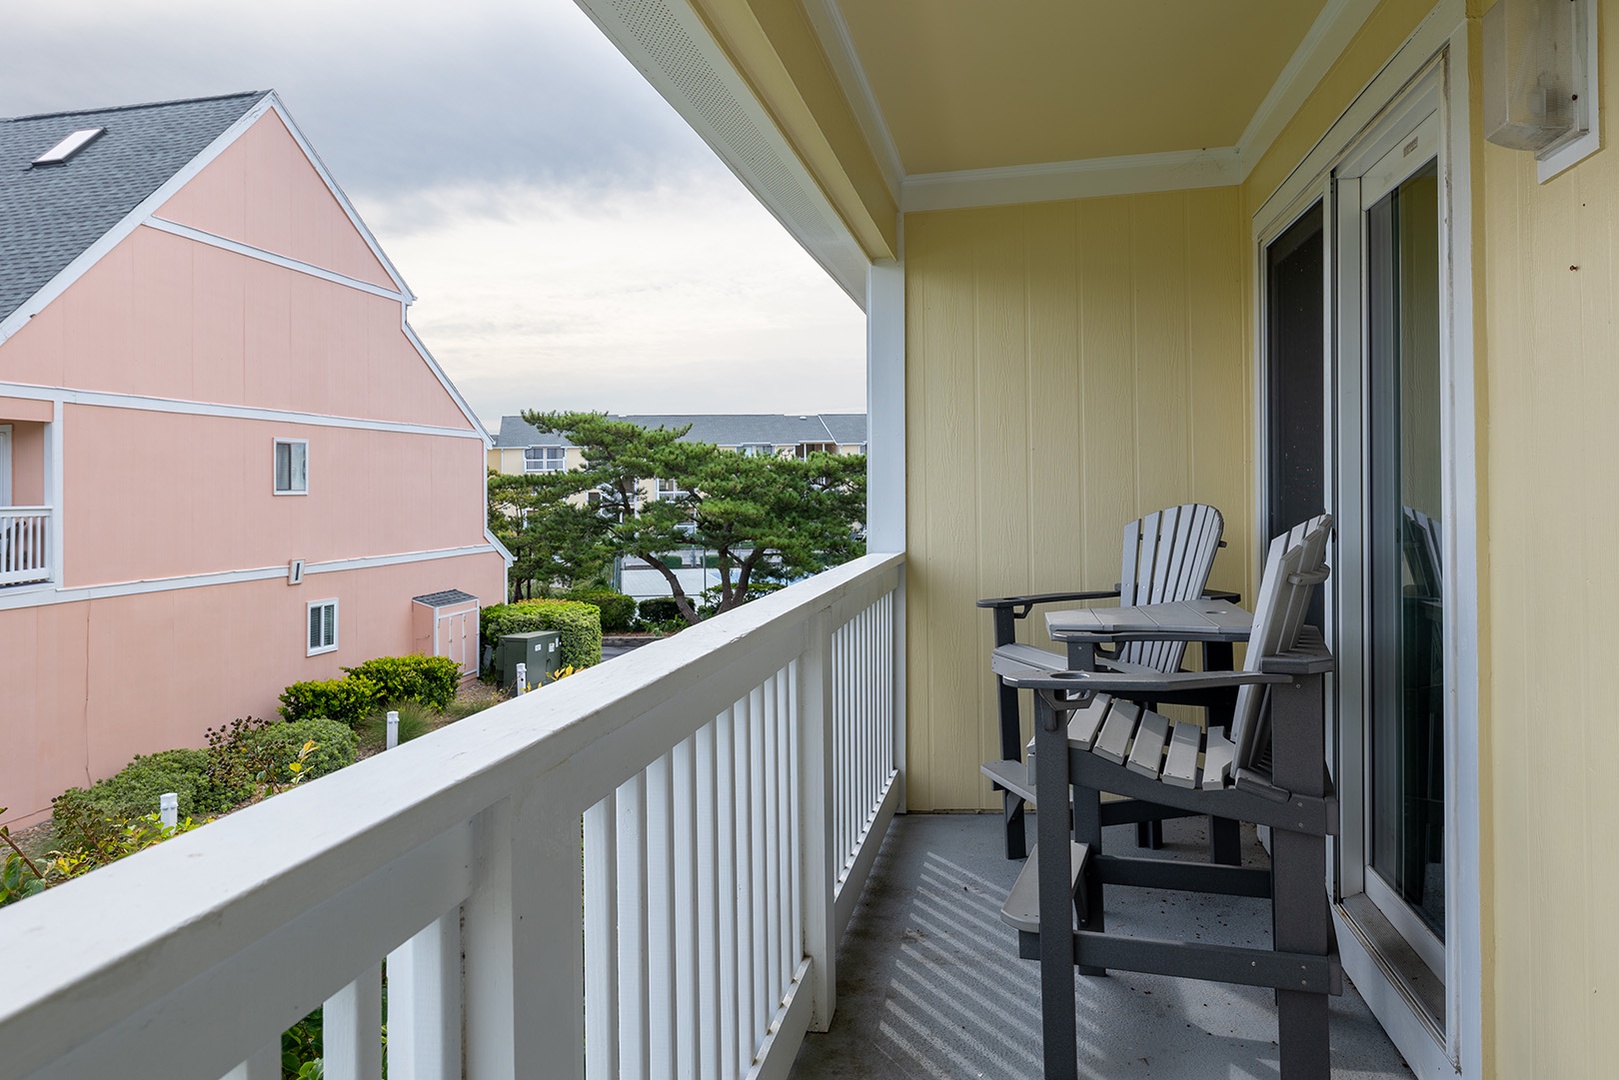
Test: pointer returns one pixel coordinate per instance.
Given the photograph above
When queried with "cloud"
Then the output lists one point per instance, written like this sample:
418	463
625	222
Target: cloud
397	96
574	244
685	297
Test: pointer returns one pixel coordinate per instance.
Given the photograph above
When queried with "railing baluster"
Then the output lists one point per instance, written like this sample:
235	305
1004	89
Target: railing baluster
816	819
770	941
686	980
351	1029
743	810
424	1003
708	889
601	940
725	803
265	1064
634	1019
660	914
787	911
757	849
523	940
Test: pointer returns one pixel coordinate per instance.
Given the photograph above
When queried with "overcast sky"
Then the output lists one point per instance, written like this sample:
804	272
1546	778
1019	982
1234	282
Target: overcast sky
571	242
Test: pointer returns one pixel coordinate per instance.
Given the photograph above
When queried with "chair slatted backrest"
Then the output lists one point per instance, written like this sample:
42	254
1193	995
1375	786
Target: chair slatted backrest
1167	557
1292	565
1422	552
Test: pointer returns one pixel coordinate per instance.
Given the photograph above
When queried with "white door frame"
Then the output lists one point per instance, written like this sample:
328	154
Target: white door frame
1433	61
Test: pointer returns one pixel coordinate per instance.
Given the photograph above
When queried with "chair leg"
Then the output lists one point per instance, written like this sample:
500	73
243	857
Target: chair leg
1088	830
1017	837
1059	1027
1150	835
1302	924
1225	841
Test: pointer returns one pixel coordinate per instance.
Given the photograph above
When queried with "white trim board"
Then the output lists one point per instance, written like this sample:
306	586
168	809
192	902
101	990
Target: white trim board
826	16
239	248
23	596
242	412
668	41
342	199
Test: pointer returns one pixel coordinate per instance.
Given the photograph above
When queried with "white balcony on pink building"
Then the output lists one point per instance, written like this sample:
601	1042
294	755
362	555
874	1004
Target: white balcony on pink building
25	545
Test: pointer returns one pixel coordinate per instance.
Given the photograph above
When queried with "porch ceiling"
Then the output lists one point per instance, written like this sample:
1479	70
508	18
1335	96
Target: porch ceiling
962	85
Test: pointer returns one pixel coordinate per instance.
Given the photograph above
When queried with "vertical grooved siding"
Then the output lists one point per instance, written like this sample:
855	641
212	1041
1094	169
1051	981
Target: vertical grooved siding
1550	378
1069	367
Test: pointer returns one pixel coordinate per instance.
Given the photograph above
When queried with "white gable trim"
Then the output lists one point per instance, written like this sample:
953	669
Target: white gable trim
201	237
444	380
342	199
116	235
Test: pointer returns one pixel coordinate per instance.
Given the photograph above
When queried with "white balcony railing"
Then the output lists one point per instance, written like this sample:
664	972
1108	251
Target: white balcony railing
25	547
640	871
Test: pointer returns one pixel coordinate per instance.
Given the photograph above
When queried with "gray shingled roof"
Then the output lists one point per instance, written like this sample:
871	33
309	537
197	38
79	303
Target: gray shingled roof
447	598
722	429
51	213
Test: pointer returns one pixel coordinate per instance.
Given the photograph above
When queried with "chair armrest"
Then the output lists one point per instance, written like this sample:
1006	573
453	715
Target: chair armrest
1028	602
1013	671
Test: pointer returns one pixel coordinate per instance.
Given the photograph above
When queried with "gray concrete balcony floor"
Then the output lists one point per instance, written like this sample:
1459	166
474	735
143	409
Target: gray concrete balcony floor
930	985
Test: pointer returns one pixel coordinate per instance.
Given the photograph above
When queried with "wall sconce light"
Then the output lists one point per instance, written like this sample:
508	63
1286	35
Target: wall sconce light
1540	80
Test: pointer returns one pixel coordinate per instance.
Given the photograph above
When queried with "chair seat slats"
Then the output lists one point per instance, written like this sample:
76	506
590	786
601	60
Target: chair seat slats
1180	767
1147	752
1217	755
1117	730
1083	728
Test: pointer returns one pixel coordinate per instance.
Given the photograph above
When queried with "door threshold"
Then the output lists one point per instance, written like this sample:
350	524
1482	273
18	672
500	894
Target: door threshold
1405	969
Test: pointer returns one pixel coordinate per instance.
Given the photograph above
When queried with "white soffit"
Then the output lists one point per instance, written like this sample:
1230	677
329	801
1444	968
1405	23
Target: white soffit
668	43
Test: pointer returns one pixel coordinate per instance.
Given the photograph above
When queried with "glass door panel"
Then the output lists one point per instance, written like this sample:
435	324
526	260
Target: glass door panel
1404	572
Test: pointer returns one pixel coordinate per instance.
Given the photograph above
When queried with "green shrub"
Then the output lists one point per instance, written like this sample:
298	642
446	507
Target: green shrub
617	610
278	745
346	700
579	624
659	610
431	680
133	791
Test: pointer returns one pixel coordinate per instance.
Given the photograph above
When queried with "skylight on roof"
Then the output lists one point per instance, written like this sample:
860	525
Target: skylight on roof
69	146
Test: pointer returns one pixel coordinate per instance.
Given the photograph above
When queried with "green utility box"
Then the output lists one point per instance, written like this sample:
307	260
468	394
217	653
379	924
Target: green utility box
541	650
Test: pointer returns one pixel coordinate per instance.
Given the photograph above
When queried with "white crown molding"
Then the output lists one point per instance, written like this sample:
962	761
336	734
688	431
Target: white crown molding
1090	178
827	19
1325	41
1328	36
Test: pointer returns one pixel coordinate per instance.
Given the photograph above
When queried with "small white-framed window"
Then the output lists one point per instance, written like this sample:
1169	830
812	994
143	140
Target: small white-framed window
292	467
541	459
668	490
322	626
757	450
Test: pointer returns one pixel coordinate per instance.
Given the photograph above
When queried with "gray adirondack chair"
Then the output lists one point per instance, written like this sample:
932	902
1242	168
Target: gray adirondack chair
1167	556
1092	733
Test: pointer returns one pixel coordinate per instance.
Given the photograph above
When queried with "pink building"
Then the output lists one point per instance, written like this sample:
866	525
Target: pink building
226	461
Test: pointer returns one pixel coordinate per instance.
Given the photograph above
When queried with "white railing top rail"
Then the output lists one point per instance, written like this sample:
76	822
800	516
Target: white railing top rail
19	511
108	955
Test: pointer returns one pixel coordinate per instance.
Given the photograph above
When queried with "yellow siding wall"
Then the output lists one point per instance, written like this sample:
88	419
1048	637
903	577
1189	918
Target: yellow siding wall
1550	376
1069	367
